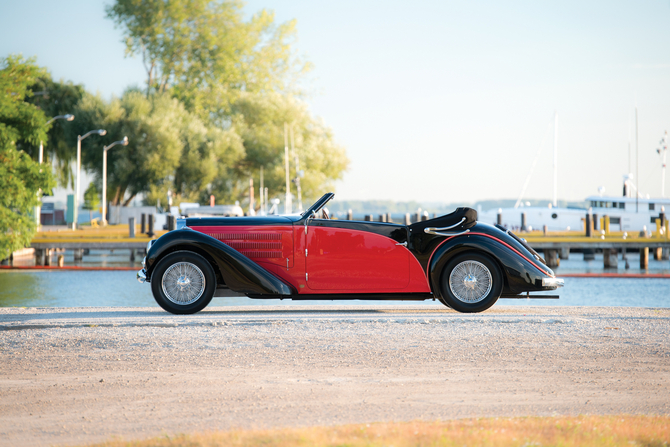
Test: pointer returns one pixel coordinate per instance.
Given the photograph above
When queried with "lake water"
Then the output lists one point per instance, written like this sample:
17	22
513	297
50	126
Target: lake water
67	288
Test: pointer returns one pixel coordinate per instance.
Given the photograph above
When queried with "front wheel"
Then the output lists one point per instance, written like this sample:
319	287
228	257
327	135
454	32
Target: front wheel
471	282
183	283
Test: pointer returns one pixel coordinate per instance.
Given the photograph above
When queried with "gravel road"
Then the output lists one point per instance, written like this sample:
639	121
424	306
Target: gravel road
81	375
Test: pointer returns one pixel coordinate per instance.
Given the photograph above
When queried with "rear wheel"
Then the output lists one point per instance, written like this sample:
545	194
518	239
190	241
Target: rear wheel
471	282
183	283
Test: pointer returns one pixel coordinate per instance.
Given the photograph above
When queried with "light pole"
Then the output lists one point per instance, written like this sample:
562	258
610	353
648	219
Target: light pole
75	214
123	142
40	158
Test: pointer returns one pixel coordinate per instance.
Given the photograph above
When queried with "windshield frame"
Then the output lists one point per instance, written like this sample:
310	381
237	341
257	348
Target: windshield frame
316	206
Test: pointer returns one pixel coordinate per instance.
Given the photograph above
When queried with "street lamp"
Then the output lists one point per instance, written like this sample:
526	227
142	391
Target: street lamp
100	132
123	142
40	158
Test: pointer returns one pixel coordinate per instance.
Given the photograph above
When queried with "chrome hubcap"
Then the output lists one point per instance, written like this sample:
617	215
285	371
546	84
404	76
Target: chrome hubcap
183	283
470	281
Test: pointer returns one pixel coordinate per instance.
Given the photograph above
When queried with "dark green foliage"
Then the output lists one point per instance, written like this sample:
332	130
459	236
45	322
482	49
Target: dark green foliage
21	178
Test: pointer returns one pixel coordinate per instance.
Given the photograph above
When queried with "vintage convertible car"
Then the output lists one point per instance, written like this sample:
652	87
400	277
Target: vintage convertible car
465	264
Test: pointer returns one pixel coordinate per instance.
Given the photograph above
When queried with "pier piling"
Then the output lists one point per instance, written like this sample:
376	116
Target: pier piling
658	253
39	256
564	253
131	227
644	258
610	258
551	256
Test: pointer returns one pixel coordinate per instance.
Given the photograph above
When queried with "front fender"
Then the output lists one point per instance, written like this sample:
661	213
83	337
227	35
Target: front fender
239	273
520	274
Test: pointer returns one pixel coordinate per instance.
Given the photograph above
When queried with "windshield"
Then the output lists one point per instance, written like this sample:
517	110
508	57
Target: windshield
318	204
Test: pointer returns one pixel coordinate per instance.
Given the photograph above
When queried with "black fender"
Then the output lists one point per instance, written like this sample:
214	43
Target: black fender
520	275
239	273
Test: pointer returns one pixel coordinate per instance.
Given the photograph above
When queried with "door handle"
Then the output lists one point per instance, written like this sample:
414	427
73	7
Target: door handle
404	244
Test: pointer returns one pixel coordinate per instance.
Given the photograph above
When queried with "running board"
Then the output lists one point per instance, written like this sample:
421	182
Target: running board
529	296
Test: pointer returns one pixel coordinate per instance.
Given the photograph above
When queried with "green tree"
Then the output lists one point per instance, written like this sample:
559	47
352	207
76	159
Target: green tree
21	123
236	86
259	120
169	147
205	54
57	98
91	199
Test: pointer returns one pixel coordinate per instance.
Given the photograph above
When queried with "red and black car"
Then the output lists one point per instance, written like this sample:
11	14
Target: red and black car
465	264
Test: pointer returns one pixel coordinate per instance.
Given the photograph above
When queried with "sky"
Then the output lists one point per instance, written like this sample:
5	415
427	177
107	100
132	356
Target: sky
440	101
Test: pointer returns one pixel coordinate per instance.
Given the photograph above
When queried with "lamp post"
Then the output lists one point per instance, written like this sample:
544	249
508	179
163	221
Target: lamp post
75	214
123	142
40	159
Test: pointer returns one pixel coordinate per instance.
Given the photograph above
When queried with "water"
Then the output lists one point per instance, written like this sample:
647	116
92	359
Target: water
120	288
67	288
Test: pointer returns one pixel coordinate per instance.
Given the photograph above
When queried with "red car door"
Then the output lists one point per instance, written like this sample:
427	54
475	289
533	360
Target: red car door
352	261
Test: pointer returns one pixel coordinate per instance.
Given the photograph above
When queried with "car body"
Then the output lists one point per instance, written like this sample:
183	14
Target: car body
465	264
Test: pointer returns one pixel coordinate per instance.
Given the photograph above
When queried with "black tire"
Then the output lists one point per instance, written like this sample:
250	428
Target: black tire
183	282
471	282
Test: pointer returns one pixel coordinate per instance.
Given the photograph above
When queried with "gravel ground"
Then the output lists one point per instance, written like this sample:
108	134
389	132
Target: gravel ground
81	375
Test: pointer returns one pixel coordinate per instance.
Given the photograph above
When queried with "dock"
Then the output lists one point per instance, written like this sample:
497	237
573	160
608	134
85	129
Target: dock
113	237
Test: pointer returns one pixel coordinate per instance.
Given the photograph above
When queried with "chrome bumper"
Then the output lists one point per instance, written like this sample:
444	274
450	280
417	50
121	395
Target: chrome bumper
553	283
141	277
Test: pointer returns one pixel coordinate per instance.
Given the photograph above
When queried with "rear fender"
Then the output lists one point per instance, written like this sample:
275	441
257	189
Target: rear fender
239	273
518	273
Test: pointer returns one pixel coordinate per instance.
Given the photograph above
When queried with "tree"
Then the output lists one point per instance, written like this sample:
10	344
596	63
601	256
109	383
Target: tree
169	147
259	119
57	98
205	54
21	123
235	86
91	199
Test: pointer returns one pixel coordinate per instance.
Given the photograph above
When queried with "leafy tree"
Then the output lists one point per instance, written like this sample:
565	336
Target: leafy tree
205	53
169	148
91	199
57	98
21	123
234	87
259	120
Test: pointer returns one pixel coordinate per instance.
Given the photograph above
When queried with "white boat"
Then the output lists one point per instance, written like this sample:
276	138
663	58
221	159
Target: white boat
625	214
630	212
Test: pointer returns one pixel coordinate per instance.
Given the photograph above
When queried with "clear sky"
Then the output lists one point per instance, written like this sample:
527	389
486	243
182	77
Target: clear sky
437	100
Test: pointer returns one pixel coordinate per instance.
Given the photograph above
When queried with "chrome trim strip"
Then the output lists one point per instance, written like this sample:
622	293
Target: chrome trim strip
431	230
446	228
404	244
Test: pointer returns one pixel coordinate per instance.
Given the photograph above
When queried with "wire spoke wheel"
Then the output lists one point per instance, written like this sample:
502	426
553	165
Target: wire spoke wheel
183	283
470	281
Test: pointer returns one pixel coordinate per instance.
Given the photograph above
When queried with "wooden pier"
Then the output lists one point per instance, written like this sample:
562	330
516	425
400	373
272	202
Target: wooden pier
116	237
556	248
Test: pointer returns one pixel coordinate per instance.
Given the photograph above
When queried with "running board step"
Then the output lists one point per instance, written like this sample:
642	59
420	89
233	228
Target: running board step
527	295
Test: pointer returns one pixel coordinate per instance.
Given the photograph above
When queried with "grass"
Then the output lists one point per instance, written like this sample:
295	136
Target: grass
622	430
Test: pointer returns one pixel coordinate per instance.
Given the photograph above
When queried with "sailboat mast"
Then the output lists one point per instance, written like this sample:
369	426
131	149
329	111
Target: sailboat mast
637	167
555	158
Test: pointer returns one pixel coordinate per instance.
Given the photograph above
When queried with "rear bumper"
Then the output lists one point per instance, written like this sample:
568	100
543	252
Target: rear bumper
141	276
552	283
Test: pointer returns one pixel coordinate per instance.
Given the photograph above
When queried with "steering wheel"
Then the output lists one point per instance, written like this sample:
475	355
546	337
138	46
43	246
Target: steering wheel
324	210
